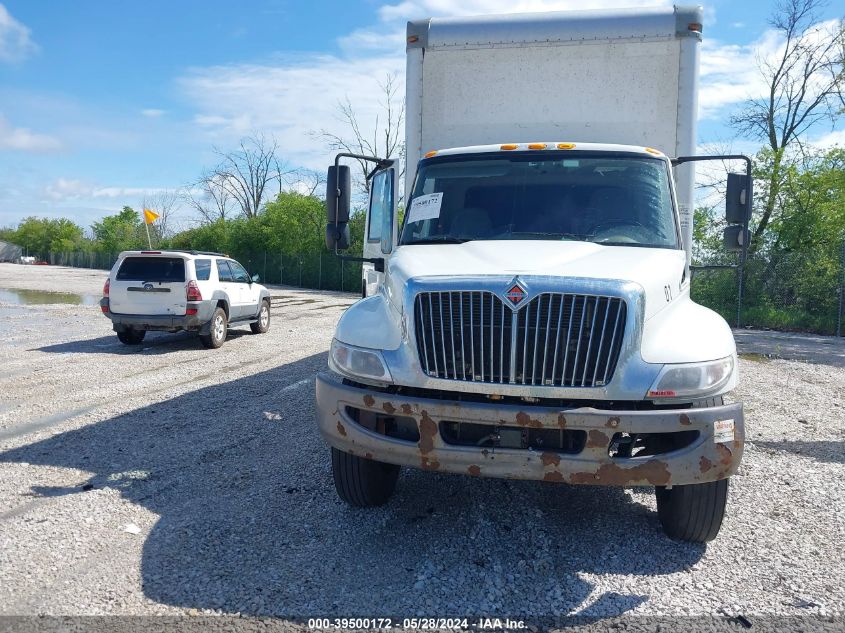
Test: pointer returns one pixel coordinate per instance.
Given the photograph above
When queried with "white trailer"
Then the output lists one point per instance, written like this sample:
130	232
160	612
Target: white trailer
531	318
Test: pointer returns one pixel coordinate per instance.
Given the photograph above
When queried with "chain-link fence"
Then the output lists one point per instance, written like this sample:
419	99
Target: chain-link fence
320	271
793	292
790	291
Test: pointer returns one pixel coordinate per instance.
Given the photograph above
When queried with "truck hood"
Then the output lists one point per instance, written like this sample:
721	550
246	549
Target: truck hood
651	268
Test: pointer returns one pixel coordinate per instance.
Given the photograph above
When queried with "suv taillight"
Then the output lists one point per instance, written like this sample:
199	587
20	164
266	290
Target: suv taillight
106	288
193	291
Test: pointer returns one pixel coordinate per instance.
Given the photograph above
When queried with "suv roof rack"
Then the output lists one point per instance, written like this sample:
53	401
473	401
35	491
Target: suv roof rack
190	252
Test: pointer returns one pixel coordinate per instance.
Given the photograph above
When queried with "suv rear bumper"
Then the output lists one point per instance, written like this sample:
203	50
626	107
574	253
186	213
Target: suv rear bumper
169	322
700	460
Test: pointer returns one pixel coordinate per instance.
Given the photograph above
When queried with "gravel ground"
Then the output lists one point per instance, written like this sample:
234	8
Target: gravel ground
170	479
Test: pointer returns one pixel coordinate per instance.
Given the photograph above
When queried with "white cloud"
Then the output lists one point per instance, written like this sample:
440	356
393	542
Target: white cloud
826	141
24	140
152	113
15	41
289	99
66	189
730	72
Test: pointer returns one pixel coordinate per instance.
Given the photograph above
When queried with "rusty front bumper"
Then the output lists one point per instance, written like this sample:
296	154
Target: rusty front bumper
702	460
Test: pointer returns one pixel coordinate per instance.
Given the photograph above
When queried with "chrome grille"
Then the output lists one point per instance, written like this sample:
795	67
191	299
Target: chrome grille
556	339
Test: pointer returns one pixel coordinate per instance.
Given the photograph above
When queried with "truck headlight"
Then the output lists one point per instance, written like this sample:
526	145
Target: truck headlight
363	364
692	379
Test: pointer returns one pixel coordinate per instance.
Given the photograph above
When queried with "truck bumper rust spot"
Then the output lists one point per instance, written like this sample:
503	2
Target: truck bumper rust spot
700	461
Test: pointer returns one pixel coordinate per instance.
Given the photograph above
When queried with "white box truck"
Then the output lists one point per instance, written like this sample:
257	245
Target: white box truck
531	318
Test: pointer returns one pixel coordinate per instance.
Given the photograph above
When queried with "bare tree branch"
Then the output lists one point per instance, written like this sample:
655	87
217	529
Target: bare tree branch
805	87
245	174
387	132
166	203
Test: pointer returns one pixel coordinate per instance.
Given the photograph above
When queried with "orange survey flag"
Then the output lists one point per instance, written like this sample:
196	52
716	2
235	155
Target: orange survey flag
150	216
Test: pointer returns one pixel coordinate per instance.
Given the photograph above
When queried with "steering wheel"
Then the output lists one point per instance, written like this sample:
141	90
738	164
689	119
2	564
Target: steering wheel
606	231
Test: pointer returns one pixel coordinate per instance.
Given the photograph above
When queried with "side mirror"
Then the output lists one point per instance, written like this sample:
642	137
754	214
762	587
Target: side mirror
338	193
255	278
738	199
735	237
337	236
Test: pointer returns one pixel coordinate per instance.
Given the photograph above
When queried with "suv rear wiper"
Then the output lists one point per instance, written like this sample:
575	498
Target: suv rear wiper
439	239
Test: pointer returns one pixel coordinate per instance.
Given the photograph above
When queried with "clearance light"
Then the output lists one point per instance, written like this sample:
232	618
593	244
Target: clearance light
656	152
536	146
413	39
509	146
566	145
695	27
430	154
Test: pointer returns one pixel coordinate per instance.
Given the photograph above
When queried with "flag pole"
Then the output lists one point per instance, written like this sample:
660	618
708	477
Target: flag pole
149	240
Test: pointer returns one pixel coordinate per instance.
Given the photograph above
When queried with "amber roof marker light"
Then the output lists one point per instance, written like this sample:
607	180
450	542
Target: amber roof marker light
509	146
565	145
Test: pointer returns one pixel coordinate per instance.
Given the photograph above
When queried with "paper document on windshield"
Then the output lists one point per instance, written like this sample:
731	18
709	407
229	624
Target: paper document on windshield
425	207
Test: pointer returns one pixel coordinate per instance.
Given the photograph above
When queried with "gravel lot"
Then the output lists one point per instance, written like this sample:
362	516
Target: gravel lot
170	479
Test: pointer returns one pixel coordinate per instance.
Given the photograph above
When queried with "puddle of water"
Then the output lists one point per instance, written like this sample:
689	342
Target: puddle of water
41	297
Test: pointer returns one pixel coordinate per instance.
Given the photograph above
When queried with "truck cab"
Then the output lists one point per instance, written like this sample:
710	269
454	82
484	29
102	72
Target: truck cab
531	316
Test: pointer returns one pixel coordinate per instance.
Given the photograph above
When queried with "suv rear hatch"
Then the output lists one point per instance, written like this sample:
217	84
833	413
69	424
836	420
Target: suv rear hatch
149	285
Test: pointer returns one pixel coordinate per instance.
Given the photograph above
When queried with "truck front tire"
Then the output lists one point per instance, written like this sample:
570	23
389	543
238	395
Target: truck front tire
364	483
693	513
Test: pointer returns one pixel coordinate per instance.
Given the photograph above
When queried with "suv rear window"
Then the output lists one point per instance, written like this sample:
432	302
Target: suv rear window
203	268
152	269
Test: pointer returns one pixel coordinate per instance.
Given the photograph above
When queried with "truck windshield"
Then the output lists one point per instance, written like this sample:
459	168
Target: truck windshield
612	199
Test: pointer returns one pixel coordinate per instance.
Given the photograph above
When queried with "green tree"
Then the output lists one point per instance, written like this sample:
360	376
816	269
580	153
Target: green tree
120	232
40	236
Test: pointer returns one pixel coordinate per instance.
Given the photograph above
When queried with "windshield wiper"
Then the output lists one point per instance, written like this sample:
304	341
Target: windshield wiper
547	235
439	239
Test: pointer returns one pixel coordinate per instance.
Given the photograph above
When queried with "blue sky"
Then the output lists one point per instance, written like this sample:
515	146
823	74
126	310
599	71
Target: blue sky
103	101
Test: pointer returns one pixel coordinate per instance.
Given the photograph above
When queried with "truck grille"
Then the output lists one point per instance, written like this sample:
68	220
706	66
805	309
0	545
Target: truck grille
556	339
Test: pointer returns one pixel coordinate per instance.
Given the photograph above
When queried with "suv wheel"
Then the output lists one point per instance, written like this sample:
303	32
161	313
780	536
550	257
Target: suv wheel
263	324
131	336
693	513
217	330
360	482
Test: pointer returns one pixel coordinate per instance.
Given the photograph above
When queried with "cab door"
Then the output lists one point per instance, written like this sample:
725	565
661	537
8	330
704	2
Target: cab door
380	230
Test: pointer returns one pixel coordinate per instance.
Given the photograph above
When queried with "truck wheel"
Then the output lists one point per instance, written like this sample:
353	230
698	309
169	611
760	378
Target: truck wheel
693	513
263	324
218	330
360	482
131	336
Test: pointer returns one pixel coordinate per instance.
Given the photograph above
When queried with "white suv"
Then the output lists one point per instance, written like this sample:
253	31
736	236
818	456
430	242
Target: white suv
182	290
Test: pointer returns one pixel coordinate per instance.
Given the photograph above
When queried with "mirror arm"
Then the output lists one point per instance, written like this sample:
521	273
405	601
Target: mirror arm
380	162
377	262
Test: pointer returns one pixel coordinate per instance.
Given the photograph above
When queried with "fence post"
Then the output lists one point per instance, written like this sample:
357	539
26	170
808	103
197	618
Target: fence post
281	268
841	286
300	273
264	277
320	272
341	275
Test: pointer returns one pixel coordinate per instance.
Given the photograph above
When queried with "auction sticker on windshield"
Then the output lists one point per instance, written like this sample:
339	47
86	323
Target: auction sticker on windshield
425	207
